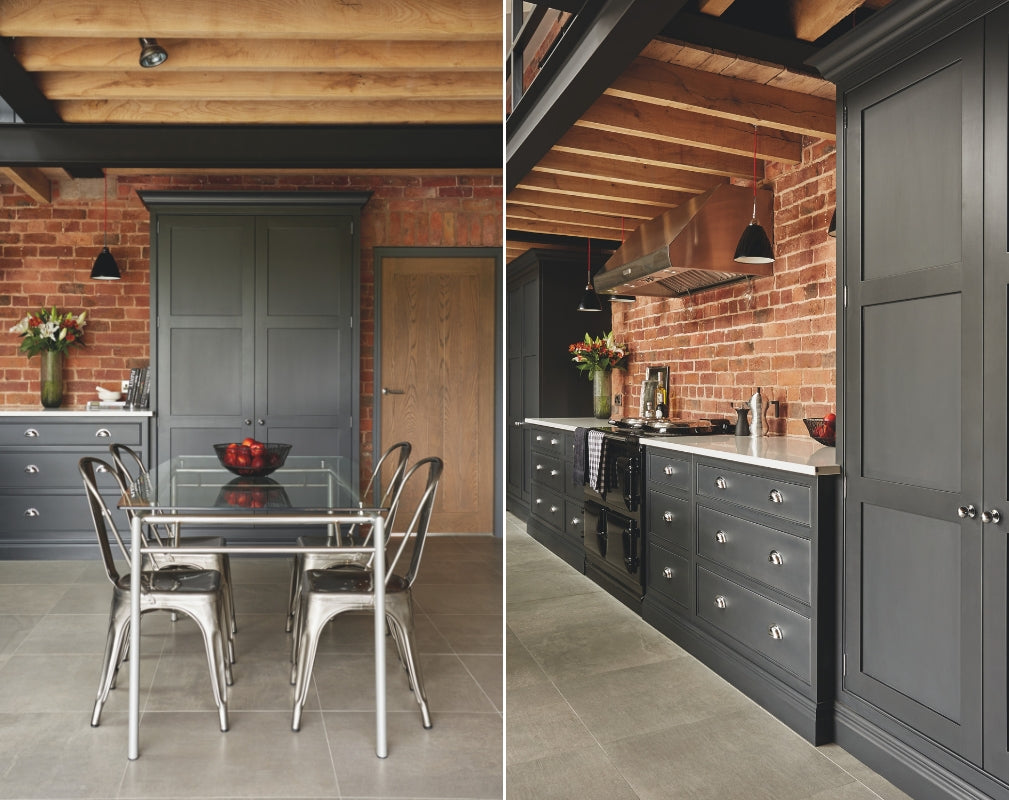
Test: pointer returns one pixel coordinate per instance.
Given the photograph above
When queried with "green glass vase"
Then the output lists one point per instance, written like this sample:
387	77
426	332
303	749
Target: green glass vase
601	394
51	378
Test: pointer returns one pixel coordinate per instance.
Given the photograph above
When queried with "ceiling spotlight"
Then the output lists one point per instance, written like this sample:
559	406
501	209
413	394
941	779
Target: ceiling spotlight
152	54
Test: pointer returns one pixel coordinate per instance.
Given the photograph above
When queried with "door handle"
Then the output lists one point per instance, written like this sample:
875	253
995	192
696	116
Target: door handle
387	390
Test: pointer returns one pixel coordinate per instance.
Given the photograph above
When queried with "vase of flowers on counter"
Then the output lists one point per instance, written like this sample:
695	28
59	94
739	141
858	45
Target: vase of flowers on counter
48	334
598	357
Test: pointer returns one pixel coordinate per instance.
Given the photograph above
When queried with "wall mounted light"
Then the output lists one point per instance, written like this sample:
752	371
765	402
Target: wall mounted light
832	228
105	267
152	54
590	300
754	247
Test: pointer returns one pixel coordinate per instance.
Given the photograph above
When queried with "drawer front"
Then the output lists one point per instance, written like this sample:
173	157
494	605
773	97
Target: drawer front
44	515
667	471
761	624
547	471
669	519
574	519
548	506
773	557
45	470
781	498
27	434
668	574
548	441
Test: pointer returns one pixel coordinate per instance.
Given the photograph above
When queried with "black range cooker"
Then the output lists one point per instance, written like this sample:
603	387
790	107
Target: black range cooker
614	496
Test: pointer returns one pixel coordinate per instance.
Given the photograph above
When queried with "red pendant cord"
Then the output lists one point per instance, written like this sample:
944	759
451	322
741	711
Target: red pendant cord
588	263
106	198
754	171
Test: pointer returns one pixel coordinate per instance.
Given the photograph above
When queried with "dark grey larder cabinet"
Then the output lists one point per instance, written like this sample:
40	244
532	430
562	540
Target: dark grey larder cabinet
255	327
923	259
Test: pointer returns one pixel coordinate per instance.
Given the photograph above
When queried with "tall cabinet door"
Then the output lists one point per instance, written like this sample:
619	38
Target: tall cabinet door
996	389
913	249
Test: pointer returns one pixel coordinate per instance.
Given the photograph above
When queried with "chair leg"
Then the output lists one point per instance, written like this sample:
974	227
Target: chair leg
311	624
400	618
293	591
110	665
217	660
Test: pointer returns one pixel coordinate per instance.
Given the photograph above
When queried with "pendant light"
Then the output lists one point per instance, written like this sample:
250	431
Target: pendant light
105	268
590	300
754	247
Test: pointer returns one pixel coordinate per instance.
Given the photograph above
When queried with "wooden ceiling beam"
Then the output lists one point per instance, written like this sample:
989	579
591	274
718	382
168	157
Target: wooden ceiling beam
621	209
560	229
650	81
607	225
643	150
47	54
603	189
262	19
627	172
220	85
281	112
679	126
813	18
714	7
30	181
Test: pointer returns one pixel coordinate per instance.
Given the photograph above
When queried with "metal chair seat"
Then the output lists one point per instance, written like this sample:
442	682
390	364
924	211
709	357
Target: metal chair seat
197	593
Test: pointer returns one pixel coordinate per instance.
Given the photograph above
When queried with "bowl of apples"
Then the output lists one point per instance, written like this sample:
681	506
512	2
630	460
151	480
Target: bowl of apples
251	458
822	429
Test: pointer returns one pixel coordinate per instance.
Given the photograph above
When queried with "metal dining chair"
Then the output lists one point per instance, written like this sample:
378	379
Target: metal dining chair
126	458
197	593
396	456
327	593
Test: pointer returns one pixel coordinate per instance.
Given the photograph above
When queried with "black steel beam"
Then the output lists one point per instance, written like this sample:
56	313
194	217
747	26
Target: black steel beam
74	146
596	48
19	91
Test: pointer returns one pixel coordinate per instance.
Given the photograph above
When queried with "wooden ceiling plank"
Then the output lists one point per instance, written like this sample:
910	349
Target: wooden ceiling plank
46	54
714	7
560	228
627	172
659	83
605	224
261	19
279	112
679	126
261	86
813	18
603	189
641	150
31	181
620	209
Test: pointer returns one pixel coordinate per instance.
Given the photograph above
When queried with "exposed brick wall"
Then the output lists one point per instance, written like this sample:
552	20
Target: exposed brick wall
776	332
46	253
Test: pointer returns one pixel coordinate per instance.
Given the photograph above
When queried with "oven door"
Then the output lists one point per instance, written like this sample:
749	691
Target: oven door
626	478
614	539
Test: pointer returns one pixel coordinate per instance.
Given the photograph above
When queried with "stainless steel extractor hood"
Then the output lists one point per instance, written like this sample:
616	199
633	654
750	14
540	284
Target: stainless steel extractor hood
688	248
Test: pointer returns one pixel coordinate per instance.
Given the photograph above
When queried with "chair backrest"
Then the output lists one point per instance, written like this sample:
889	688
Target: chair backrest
427	469
101	516
400	452
122	454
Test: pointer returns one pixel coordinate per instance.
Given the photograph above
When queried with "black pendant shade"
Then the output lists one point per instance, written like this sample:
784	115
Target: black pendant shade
754	247
832	228
590	300
105	268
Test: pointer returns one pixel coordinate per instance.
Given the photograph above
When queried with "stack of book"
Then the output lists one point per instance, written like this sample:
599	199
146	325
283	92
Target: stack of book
138	391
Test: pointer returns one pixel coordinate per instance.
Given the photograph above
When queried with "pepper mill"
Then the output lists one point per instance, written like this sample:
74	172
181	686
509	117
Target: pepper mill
742	426
758	407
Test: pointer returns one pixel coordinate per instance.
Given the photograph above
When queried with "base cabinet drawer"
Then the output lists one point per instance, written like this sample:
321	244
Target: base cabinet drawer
574	518
668	575
50	515
43	470
668	472
41	433
778	497
669	520
776	632
547	505
548	471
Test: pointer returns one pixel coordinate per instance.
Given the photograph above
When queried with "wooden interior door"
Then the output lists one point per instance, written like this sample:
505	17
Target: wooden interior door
436	378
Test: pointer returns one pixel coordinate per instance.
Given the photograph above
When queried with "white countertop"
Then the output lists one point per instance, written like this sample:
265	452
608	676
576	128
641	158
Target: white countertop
799	454
34	411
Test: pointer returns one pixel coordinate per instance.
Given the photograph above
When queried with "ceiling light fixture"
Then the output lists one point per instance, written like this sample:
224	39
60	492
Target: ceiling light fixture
152	54
754	247
105	268
832	228
590	300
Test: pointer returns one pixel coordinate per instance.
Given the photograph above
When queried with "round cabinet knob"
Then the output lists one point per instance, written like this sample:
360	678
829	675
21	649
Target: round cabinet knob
775	496
539	437
721	537
775	558
539	467
32	469
667	573
31	433
720	483
993	517
539	500
555	441
576	521
667	516
247	421
32	512
966	511
554	509
775	632
720	602
260	421
554	473
668	469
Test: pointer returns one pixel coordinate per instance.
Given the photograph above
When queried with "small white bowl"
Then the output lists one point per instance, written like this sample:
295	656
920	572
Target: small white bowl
106	395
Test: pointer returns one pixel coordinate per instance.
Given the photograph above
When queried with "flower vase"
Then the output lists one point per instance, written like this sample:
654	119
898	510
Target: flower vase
601	394
51	378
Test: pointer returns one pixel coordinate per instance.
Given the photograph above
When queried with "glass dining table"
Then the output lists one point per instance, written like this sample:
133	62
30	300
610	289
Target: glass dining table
307	492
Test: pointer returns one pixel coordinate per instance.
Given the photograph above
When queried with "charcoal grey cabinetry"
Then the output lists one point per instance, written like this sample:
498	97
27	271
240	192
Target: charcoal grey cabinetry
924	261
544	289
740	573
41	494
557	503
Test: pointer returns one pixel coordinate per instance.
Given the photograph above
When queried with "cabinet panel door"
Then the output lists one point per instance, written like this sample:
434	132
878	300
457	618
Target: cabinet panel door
912	432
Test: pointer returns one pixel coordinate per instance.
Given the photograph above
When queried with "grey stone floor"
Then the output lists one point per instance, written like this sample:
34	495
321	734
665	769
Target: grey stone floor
601	706
53	616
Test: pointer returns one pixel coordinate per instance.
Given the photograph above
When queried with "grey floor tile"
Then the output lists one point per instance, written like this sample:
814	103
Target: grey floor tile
470	633
29	598
355	632
459	569
531	585
467	598
54	683
489	674
584	774
541	723
521	669
67	633
85	598
42	572
13	630
854	767
260	569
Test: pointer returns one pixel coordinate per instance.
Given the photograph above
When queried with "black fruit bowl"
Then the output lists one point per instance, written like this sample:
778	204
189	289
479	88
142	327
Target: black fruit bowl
273	457
813	425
